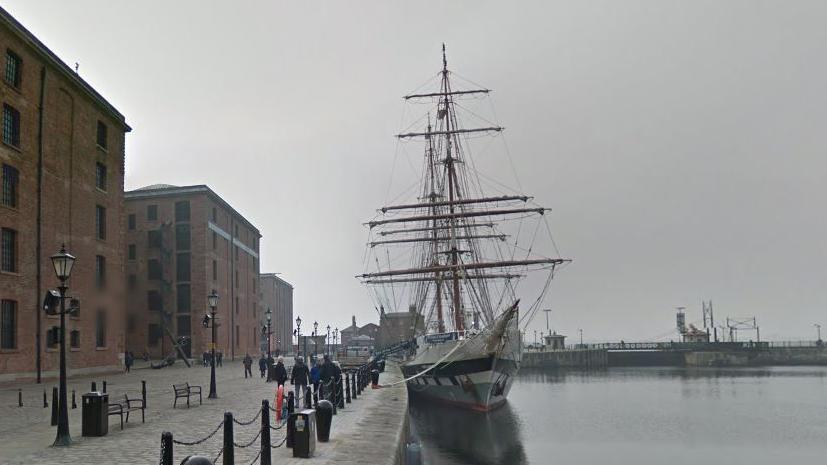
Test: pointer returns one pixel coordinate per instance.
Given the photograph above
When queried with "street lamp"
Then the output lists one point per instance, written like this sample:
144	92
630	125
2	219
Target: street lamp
581	337
63	262
212	301
335	338
818	328
315	333
269	314
299	336
327	339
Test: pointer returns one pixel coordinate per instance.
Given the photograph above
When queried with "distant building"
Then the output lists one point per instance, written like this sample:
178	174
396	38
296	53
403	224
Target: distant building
694	334
368	331
555	341
398	326
183	243
277	295
62	157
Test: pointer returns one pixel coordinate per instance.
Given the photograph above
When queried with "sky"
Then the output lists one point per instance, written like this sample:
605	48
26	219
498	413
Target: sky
681	145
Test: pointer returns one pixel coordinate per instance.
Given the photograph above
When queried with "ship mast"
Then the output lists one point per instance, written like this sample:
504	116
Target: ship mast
432	197
459	324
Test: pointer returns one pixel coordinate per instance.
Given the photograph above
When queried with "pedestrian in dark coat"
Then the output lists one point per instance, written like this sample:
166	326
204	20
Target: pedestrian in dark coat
248	363
262	365
299	378
279	372
128	360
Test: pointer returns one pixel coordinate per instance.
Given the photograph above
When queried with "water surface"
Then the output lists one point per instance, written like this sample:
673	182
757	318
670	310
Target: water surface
639	416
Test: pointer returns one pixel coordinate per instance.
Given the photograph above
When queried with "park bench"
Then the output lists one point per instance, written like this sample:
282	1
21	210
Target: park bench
125	405
185	390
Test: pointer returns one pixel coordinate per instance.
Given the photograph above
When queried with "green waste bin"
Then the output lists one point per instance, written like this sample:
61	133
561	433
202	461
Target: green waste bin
95	414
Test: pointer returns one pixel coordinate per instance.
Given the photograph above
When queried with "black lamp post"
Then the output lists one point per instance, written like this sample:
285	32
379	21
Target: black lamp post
63	263
212	300
269	314
335	338
299	337
327	339
315	333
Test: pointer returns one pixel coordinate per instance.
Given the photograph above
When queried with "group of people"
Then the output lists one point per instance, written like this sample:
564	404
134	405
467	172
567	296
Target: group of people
207	356
324	371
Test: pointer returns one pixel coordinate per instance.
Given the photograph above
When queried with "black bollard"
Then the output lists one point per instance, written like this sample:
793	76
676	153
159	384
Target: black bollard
54	406
291	403
45	402
229	452
353	382
347	388
166	448
340	394
74	402
308	399
94	387
104	386
324	420
358	382
143	392
196	460
265	431
19	397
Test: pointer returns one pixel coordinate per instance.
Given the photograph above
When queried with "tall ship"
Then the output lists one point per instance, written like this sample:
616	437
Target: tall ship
453	252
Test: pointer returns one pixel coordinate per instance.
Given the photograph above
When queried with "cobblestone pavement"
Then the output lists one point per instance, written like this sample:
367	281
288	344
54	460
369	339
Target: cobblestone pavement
26	434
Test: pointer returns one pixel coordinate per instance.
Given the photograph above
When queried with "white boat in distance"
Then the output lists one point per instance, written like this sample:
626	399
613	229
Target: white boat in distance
461	261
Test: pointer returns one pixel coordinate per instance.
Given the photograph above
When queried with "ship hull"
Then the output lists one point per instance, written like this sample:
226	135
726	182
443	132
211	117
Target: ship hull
477	375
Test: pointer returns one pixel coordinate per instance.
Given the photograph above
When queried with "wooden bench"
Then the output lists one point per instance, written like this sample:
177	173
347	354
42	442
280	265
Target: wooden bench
185	390
125	405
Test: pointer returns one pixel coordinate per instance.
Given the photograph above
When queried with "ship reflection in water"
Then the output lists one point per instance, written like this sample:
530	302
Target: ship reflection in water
451	435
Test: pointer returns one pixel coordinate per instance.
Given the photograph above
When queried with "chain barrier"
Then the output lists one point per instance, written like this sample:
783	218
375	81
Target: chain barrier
245	423
255	438
255	459
215	460
279	444
195	443
276	428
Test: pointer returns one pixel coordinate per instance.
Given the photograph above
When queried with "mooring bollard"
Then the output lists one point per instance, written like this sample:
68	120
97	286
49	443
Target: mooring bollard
353	383
104	386
54	406
229	452
143	392
19	397
331	395
265	430
291	402
166	448
324	420
308	398
45	402
340	394
358	382
74	403
347	388
94	387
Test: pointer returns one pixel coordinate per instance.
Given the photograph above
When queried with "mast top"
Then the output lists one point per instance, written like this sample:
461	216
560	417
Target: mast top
444	60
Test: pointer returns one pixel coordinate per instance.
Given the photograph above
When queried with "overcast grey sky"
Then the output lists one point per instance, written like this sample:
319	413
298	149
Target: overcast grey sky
680	144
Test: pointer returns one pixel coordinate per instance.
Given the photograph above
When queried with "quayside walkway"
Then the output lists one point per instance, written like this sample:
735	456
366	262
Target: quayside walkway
370	429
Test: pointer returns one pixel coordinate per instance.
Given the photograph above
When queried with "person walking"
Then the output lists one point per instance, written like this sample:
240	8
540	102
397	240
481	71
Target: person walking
248	363
128	360
279	372
219	358
337	381
262	365
314	375
325	377
299	377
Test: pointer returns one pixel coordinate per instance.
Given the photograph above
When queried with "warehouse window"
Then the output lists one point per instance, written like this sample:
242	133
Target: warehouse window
182	267
11	179
131	221
184	298
132	252
153	269
100	221
182	211
100	329
153	301
153	334
11	126
100	271
74	339
102	135
9	250
14	68
151	212
100	176
182	237
8	324
214	270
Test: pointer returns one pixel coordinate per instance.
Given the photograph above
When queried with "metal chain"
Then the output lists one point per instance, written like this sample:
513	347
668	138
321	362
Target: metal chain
194	443
163	449
276	428
242	446
256	458
215	460
279	444
245	423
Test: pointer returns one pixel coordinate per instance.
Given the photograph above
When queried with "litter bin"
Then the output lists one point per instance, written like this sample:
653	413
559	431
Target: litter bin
95	413
304	433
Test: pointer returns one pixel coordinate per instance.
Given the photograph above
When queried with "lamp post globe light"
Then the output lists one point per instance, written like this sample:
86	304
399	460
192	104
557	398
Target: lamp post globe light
299	337
63	262
335	339
327	339
269	314
212	301
315	333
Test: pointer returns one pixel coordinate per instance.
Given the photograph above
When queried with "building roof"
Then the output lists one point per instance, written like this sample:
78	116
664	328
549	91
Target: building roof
275	276
62	67
168	190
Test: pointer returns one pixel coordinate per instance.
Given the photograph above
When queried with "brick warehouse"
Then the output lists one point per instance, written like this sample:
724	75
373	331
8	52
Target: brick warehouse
277	295
62	155
181	243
